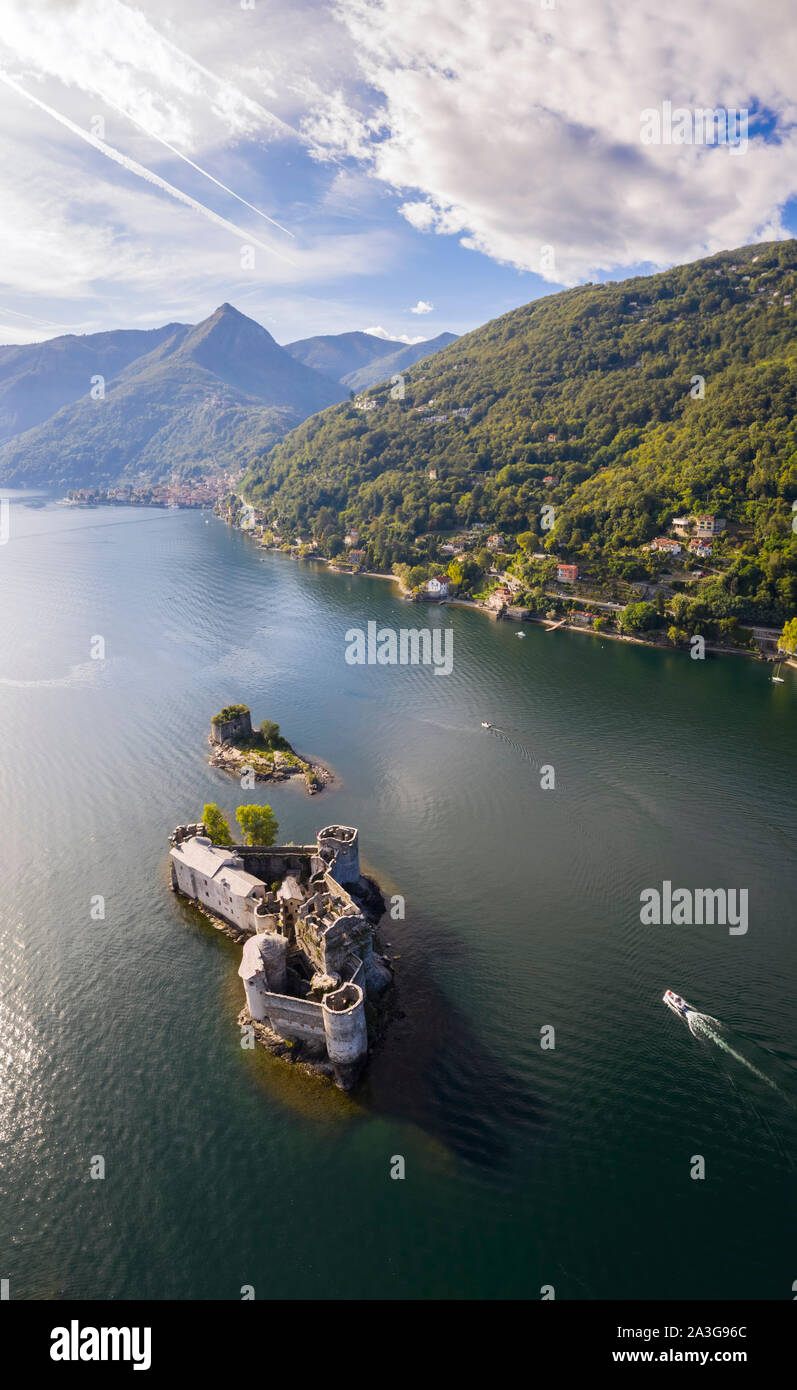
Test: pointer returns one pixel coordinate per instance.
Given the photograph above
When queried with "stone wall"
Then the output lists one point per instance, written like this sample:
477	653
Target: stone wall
295	1018
277	861
230	730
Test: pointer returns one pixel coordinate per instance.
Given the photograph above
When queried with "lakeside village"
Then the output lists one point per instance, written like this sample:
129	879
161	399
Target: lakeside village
176	492
511	579
315	985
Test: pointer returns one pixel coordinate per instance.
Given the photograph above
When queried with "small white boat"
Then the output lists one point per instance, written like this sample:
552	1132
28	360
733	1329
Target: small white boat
485	725
521	634
778	679
676	1003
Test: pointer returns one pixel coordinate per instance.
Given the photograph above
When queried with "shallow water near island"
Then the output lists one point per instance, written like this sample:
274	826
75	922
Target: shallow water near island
525	1166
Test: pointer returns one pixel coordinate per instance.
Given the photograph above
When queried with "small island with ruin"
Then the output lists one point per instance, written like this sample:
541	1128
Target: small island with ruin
262	753
315	985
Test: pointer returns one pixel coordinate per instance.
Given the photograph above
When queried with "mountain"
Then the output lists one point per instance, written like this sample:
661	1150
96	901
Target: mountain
338	354
405	355
616	406
360	360
203	398
38	378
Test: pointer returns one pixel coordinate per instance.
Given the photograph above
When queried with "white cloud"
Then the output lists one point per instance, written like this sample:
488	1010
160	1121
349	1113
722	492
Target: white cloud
380	332
501	124
113	50
516	128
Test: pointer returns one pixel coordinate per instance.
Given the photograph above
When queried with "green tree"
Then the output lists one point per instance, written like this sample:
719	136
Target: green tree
638	617
270	734
258	824
216	825
788	638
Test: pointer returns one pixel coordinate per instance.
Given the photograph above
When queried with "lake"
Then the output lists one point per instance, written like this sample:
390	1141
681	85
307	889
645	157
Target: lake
526	1165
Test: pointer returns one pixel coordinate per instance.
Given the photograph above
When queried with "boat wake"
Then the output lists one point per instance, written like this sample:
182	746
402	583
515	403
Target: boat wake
704	1026
522	749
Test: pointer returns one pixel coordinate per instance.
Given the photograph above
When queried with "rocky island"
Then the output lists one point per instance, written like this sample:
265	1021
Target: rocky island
315	985
263	754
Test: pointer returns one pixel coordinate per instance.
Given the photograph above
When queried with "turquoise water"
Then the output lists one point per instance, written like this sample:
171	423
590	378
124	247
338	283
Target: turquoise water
524	1166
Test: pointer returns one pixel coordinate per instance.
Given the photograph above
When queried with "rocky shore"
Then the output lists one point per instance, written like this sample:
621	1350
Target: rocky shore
236	761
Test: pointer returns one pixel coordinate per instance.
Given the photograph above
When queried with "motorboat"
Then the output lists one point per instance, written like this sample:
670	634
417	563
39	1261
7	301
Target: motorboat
521	634
677	1003
485	725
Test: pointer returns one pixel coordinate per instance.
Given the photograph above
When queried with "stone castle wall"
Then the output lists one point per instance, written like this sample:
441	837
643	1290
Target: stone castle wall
277	861
228	730
338	942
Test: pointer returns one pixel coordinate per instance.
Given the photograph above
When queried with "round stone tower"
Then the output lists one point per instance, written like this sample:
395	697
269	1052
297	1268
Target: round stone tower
339	847
253	974
346	1033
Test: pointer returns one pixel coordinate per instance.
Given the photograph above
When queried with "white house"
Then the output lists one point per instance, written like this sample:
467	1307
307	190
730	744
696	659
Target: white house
664	543
437	587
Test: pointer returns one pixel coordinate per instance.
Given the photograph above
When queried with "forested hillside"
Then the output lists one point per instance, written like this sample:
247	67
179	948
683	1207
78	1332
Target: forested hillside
617	405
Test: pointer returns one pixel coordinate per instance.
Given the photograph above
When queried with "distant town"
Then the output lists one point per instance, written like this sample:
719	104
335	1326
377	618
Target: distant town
176	492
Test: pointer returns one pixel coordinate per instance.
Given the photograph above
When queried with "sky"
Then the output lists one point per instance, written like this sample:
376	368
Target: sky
406	167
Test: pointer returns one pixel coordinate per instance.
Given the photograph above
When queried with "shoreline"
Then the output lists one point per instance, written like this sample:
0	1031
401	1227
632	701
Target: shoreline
566	626
227	757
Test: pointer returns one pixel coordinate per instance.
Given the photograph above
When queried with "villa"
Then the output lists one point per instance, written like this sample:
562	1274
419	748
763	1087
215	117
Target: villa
670	547
437	587
700	547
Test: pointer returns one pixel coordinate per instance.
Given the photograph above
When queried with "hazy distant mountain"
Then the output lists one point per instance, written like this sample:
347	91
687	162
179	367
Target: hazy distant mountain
208	396
404	356
337	354
38	378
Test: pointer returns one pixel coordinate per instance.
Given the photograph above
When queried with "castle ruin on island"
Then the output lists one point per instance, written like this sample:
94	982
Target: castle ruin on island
306	919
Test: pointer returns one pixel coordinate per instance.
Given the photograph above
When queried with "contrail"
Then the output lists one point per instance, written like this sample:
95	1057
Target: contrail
248	101
43	323
139	169
163	141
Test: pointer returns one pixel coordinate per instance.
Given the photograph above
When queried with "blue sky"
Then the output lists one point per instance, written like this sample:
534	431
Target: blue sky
453	157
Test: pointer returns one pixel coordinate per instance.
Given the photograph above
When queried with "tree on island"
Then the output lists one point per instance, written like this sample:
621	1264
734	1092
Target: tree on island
270	734
258	824
787	641
216	825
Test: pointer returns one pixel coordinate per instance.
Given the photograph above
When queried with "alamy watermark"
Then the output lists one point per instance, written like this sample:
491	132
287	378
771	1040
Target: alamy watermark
686	125
406	646
686	907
